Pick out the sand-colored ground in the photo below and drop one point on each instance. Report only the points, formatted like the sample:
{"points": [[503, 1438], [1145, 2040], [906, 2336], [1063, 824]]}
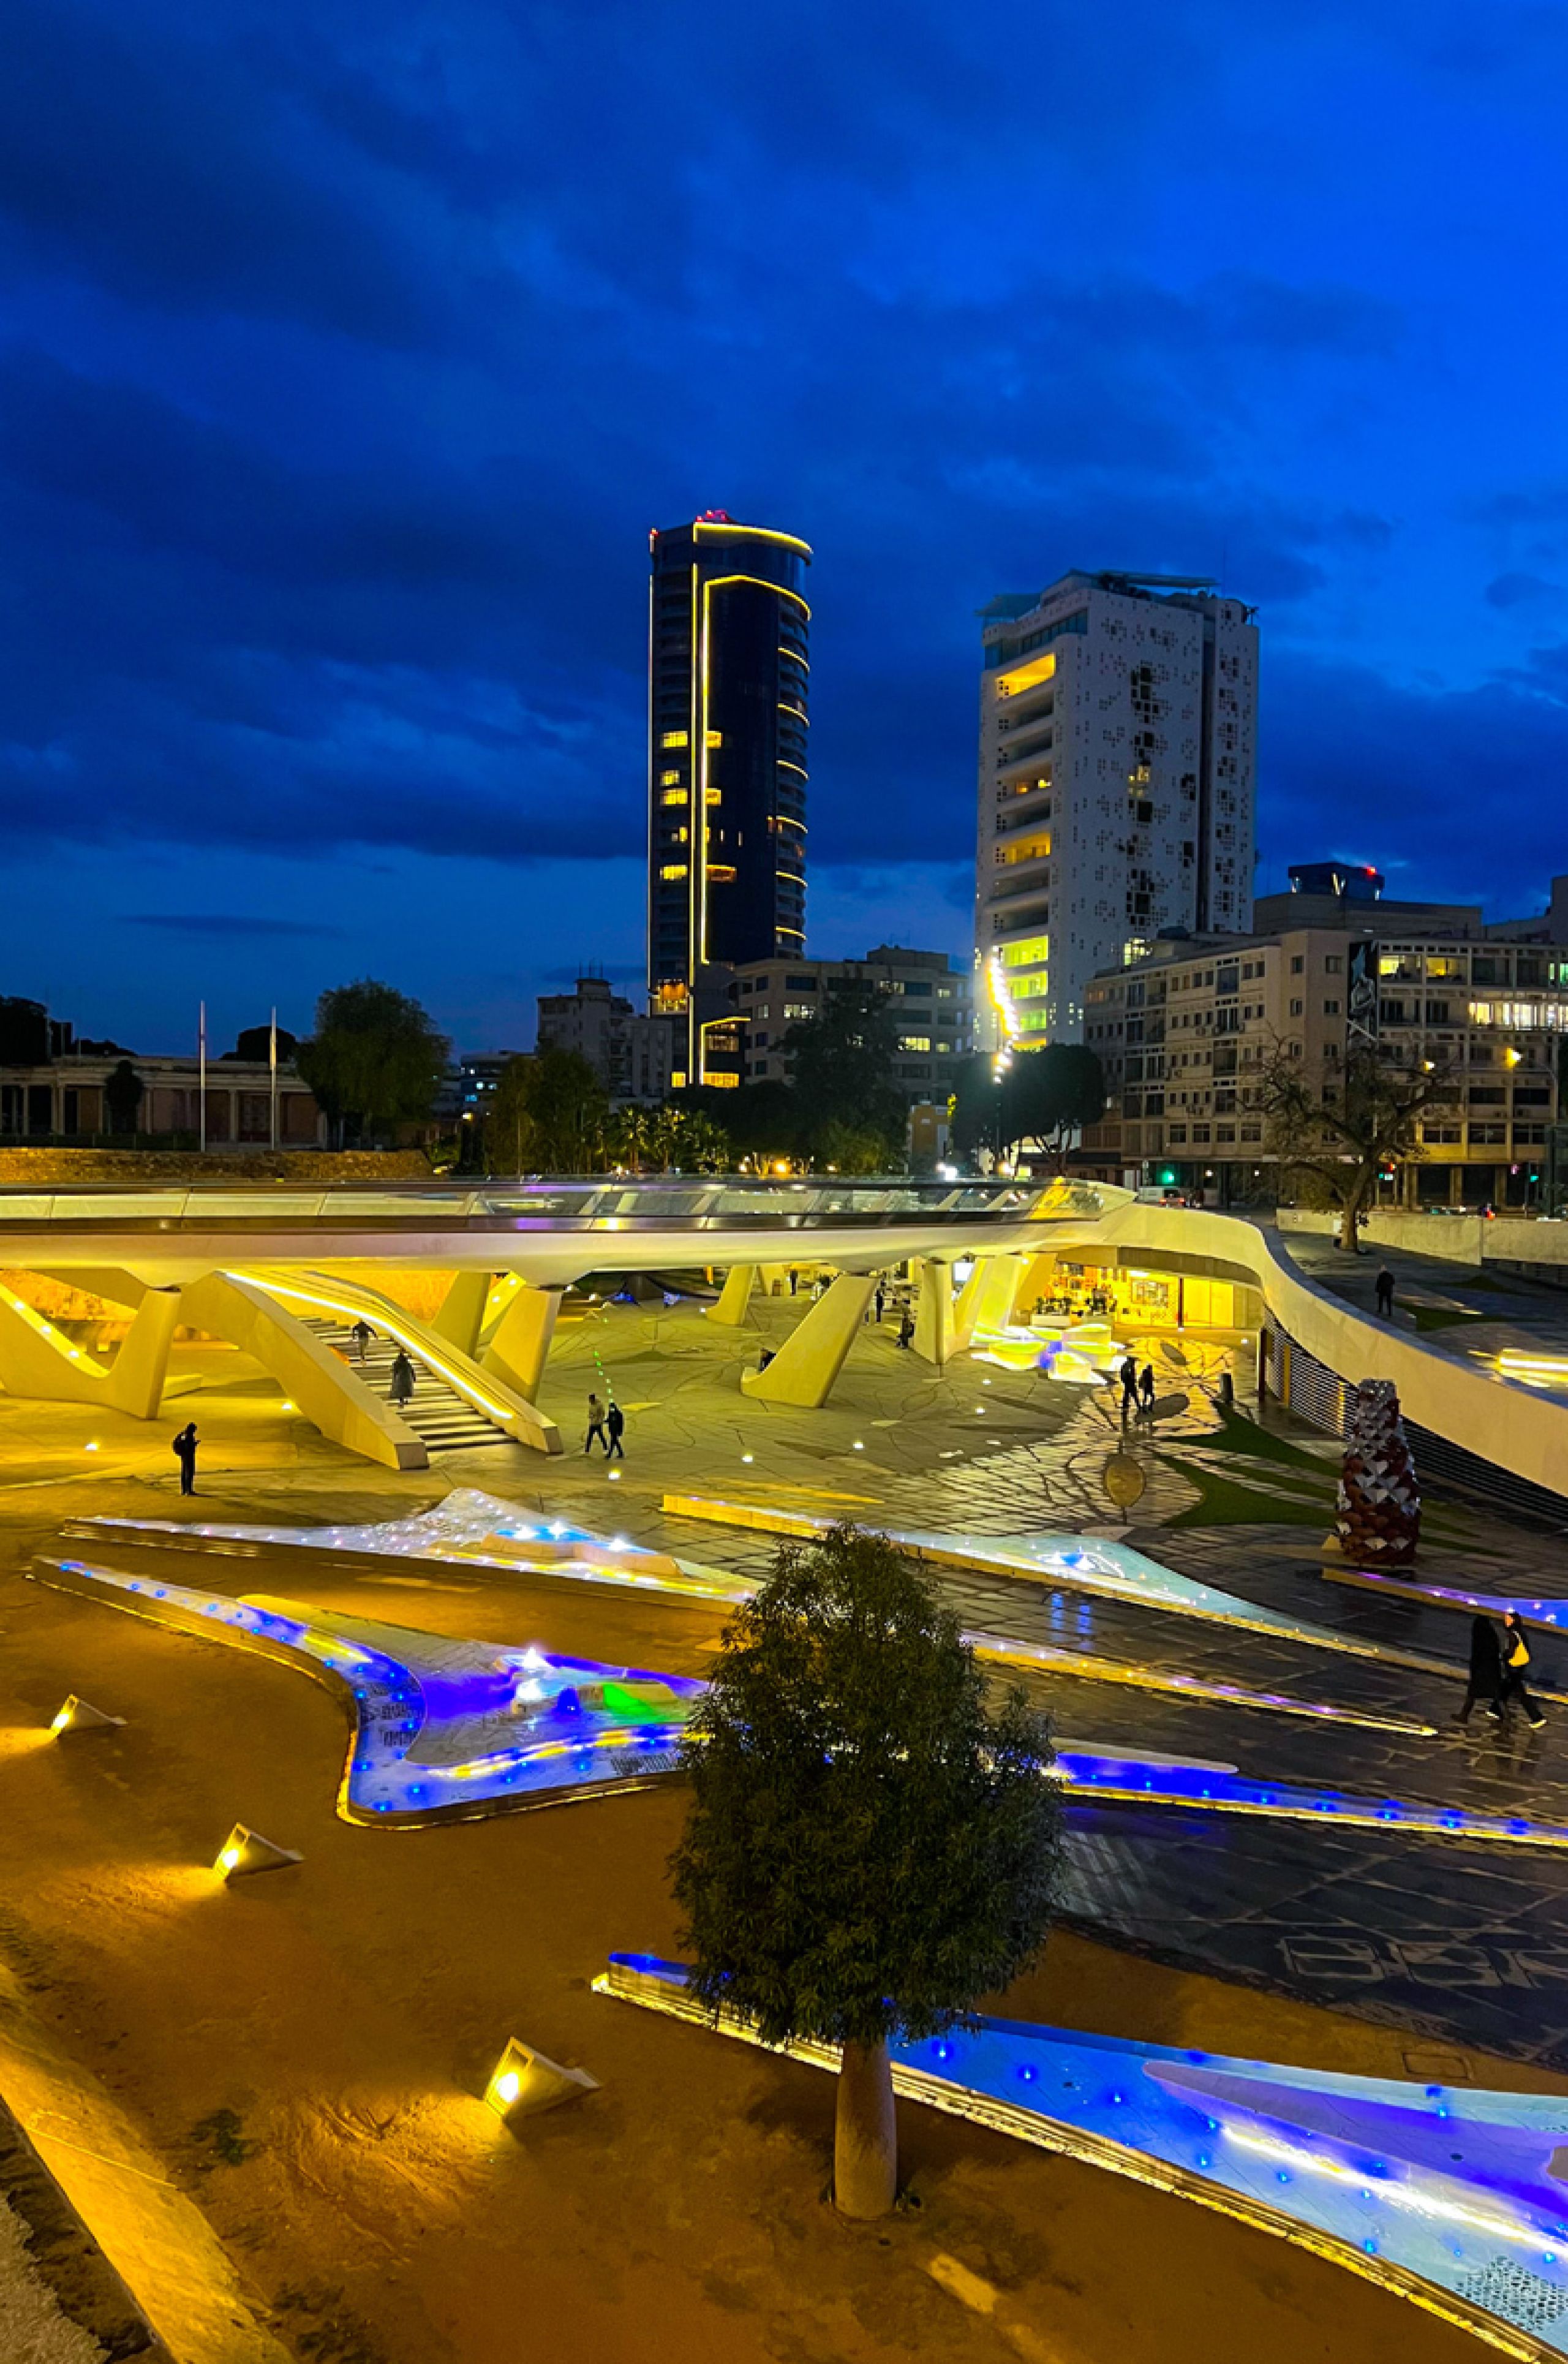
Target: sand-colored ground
{"points": [[304, 2051]]}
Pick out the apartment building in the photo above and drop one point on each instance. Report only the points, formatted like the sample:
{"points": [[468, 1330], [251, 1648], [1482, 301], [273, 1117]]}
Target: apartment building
{"points": [[1184, 1033], [934, 998], [1118, 762], [632, 1055]]}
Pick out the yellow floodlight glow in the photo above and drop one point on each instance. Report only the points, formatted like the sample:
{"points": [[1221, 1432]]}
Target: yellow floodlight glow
{"points": [[1001, 999], [419, 1346], [507, 2086], [229, 1860], [61, 1720]]}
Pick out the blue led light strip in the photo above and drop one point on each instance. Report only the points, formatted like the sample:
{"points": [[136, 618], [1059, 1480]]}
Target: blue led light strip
{"points": [[443, 1727], [1446, 2196]]}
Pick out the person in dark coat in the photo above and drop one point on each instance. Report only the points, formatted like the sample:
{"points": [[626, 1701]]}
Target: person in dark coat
{"points": [[1516, 1666], [879, 1300], [1129, 1387], [361, 1334], [1485, 1668], [185, 1454], [1146, 1387], [906, 1330], [615, 1420], [401, 1389], [1385, 1286]]}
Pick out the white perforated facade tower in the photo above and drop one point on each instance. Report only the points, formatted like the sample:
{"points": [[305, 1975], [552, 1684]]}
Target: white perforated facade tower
{"points": [[1118, 771]]}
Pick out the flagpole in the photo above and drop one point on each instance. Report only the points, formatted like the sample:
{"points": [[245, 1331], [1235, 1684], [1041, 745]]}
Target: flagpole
{"points": [[201, 1062], [273, 1062]]}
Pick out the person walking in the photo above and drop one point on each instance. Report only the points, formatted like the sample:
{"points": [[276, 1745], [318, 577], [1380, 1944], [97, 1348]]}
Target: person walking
{"points": [[1486, 1669], [793, 1280], [1385, 1287], [878, 1301], [400, 1389], [595, 1426], [615, 1420], [185, 1450], [1516, 1666], [1129, 1387], [361, 1334], [1146, 1388], [906, 1330]]}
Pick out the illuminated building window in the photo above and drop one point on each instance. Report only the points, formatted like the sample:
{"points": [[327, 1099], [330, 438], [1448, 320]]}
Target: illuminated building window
{"points": [[713, 795], [714, 738], [720, 873], [675, 739], [669, 779], [677, 1079], [673, 870], [799, 1009], [917, 1043], [1026, 953], [674, 797]]}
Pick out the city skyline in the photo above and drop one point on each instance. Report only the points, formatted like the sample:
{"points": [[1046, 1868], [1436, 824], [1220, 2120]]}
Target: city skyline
{"points": [[338, 401]]}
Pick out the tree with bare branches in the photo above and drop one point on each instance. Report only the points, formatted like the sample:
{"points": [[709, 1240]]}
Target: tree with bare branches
{"points": [[1371, 1121]]}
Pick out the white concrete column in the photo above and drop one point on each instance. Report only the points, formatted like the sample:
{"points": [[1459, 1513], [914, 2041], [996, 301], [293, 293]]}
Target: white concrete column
{"points": [[463, 1311], [804, 1369], [520, 1347], [734, 1297], [988, 1296], [136, 1382], [933, 1314]]}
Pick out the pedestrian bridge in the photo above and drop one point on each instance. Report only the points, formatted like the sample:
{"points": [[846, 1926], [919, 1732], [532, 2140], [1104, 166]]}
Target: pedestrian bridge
{"points": [[285, 1273]]}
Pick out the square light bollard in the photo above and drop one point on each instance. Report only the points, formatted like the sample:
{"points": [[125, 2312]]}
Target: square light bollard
{"points": [[524, 2083], [245, 1851], [81, 1715]]}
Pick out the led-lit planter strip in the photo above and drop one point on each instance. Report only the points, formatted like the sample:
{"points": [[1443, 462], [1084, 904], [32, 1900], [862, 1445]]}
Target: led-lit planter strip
{"points": [[1550, 1613], [1127, 1779], [1444, 2195], [1089, 1564], [443, 1727], [477, 1530]]}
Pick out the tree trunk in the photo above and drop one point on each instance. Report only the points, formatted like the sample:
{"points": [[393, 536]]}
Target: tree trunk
{"points": [[865, 2139]]}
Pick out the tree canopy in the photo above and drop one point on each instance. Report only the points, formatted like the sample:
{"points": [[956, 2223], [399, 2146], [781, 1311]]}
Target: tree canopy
{"points": [[375, 1061], [869, 1851], [843, 1063], [1343, 1131], [550, 1115], [1047, 1094]]}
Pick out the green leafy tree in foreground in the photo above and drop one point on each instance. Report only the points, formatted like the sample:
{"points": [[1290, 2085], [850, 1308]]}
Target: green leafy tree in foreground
{"points": [[868, 1852], [376, 1059]]}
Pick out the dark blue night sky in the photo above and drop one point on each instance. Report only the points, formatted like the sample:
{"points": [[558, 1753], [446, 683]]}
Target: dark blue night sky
{"points": [[349, 353]]}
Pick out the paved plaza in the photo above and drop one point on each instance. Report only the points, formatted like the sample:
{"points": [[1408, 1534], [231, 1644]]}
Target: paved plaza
{"points": [[378, 1981]]}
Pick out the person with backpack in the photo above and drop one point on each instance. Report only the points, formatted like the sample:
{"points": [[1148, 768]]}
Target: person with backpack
{"points": [[614, 1422], [185, 1449], [1516, 1666], [361, 1334]]}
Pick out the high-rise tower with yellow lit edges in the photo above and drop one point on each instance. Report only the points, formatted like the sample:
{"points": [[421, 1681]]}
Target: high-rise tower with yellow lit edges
{"points": [[1118, 763], [729, 672]]}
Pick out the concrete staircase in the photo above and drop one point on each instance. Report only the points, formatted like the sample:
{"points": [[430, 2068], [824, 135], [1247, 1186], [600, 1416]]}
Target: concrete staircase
{"points": [[443, 1421]]}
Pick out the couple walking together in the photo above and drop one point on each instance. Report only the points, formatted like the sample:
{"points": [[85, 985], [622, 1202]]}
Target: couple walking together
{"points": [[606, 1426]]}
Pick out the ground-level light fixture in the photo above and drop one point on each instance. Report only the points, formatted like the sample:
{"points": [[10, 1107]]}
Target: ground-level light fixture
{"points": [[524, 2083], [245, 1851], [81, 1715]]}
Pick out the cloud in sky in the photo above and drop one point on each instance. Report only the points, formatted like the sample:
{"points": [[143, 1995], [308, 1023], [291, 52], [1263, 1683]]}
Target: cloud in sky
{"points": [[348, 357]]}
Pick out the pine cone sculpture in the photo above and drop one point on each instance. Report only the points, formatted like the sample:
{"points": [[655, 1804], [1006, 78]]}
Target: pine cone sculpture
{"points": [[1380, 1500]]}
